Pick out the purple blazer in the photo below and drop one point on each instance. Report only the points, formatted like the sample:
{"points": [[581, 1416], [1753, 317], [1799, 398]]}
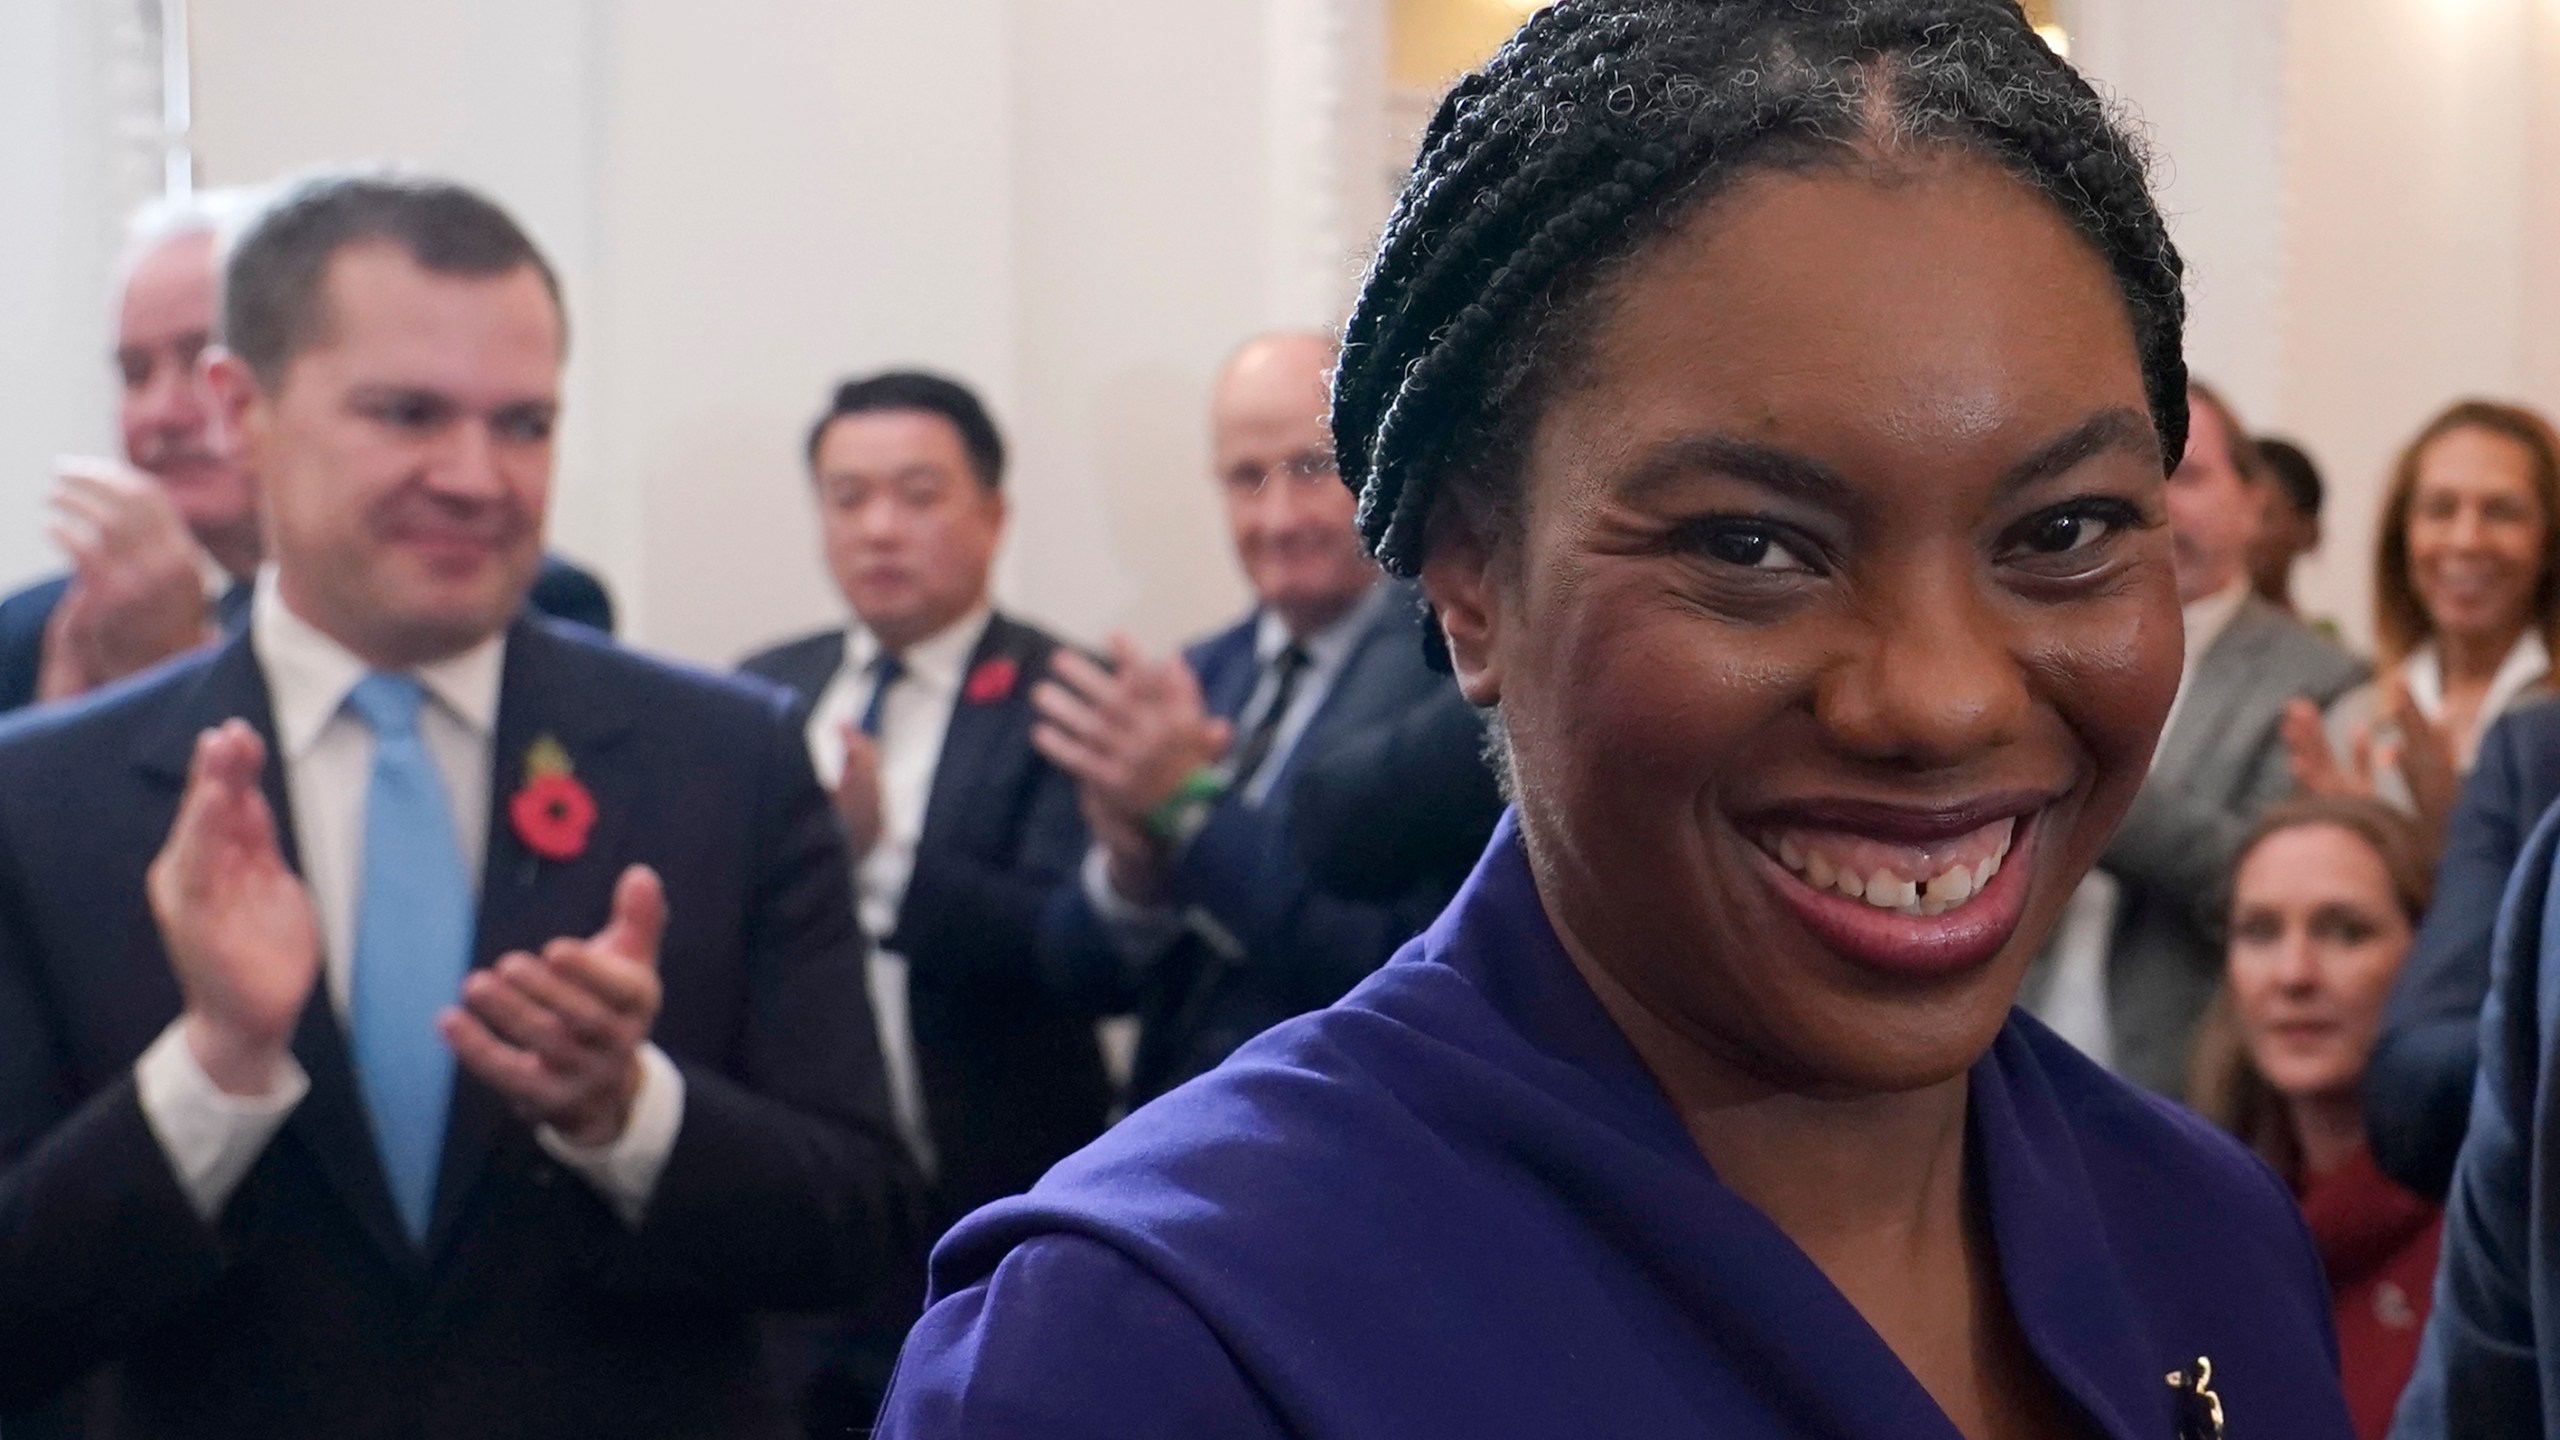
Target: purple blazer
{"points": [[1456, 1205]]}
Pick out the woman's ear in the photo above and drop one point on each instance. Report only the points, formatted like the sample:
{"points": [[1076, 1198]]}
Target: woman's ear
{"points": [[1465, 592]]}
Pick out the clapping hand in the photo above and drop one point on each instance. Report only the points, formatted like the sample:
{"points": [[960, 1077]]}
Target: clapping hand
{"points": [[137, 580], [559, 1033], [235, 919], [1130, 736], [2419, 749], [857, 791], [2316, 767]]}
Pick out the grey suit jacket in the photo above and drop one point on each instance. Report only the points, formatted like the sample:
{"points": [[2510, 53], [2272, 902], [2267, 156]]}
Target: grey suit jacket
{"points": [[2221, 763]]}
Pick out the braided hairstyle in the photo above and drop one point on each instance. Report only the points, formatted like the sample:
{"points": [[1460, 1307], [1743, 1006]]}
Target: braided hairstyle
{"points": [[1603, 124]]}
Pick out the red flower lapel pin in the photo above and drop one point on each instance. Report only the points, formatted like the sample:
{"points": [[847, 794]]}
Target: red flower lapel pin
{"points": [[552, 813], [992, 681]]}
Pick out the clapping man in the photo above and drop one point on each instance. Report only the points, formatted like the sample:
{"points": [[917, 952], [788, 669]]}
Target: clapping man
{"points": [[491, 1043], [1194, 912], [918, 714], [163, 545]]}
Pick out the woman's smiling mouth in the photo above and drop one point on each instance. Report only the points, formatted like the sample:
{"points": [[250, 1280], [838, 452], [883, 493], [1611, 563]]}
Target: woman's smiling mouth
{"points": [[1915, 895]]}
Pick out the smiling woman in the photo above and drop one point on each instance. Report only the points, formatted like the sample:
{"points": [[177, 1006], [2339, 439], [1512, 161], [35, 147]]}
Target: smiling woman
{"points": [[1772, 399]]}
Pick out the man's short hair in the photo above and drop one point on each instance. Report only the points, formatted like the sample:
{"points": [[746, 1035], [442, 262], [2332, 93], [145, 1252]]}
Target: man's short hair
{"points": [[932, 394], [2294, 470], [274, 300]]}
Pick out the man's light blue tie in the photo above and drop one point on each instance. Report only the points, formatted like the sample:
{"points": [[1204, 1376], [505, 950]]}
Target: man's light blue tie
{"points": [[414, 921]]}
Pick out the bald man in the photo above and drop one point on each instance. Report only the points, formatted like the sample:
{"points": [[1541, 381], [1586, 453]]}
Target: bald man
{"points": [[163, 544], [1194, 912]]}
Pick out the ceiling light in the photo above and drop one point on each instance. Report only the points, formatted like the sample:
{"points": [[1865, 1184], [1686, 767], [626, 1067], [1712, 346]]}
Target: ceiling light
{"points": [[2058, 38]]}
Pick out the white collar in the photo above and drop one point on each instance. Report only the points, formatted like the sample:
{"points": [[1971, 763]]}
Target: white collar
{"points": [[309, 674], [937, 660], [1326, 648], [2528, 660]]}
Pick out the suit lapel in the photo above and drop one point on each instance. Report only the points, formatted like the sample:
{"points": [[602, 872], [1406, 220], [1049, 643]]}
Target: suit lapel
{"points": [[2223, 683], [984, 742], [550, 689], [330, 1124]]}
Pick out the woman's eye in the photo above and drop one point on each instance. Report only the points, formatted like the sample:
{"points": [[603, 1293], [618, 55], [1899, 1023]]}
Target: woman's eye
{"points": [[2064, 532], [1750, 547], [2073, 533]]}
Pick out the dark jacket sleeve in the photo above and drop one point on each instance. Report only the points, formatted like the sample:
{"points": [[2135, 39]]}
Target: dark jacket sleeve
{"points": [[1243, 872], [2418, 1084], [98, 1243], [1406, 805], [787, 1187], [980, 923], [2478, 1376], [23, 618]]}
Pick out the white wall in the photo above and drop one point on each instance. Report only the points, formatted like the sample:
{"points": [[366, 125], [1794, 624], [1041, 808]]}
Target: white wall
{"points": [[2368, 192], [1069, 206], [59, 229], [1081, 207]]}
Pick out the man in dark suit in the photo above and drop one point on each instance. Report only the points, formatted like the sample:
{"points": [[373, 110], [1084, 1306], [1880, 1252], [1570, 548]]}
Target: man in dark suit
{"points": [[1193, 910], [163, 547], [918, 714], [2419, 1083], [481, 1064]]}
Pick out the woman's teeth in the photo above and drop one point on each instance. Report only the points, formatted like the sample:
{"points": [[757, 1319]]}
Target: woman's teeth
{"points": [[1943, 884]]}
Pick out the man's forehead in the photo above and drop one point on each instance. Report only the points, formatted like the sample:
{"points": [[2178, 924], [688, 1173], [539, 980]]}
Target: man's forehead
{"points": [[169, 292], [394, 321]]}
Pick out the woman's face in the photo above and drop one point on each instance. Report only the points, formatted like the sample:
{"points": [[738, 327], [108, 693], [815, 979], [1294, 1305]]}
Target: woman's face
{"points": [[2317, 937], [1842, 623], [2477, 534]]}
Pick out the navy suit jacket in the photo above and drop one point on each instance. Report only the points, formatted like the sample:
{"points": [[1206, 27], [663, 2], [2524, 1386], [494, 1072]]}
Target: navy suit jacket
{"points": [[2418, 1085], [1456, 1206], [1264, 941], [2489, 1367], [1013, 1080], [532, 1310], [561, 590]]}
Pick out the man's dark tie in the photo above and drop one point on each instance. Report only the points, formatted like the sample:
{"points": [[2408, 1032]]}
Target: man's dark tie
{"points": [[886, 670], [231, 610], [1290, 666]]}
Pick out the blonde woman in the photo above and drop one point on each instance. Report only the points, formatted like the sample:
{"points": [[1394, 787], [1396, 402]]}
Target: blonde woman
{"points": [[2325, 900]]}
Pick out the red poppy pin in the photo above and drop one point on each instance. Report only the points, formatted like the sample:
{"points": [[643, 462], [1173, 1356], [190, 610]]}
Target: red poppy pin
{"points": [[992, 681], [553, 812]]}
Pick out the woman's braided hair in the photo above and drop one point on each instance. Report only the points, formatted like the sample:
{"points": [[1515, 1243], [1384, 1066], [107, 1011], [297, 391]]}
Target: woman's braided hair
{"points": [[1602, 124]]}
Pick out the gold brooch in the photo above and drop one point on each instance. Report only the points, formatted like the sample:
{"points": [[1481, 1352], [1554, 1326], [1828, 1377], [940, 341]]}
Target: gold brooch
{"points": [[2199, 1409]]}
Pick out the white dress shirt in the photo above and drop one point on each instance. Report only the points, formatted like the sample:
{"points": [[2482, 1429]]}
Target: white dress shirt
{"points": [[2075, 1005], [2528, 663], [213, 1139], [1146, 931], [915, 717]]}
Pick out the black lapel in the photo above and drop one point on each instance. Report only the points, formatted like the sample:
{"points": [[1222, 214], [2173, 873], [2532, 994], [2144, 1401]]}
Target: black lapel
{"points": [[986, 741], [561, 690], [330, 1124], [806, 669]]}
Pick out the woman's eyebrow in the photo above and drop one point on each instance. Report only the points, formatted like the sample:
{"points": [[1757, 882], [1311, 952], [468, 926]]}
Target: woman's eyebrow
{"points": [[1690, 456], [2120, 428], [1816, 483]]}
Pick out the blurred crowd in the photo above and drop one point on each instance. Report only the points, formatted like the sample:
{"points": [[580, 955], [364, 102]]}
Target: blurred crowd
{"points": [[1057, 876]]}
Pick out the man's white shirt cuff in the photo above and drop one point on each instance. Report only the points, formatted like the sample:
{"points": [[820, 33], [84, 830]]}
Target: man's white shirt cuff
{"points": [[625, 1170], [1141, 931], [212, 1138]]}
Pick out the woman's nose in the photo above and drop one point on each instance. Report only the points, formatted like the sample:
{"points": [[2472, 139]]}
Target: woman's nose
{"points": [[1935, 681]]}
